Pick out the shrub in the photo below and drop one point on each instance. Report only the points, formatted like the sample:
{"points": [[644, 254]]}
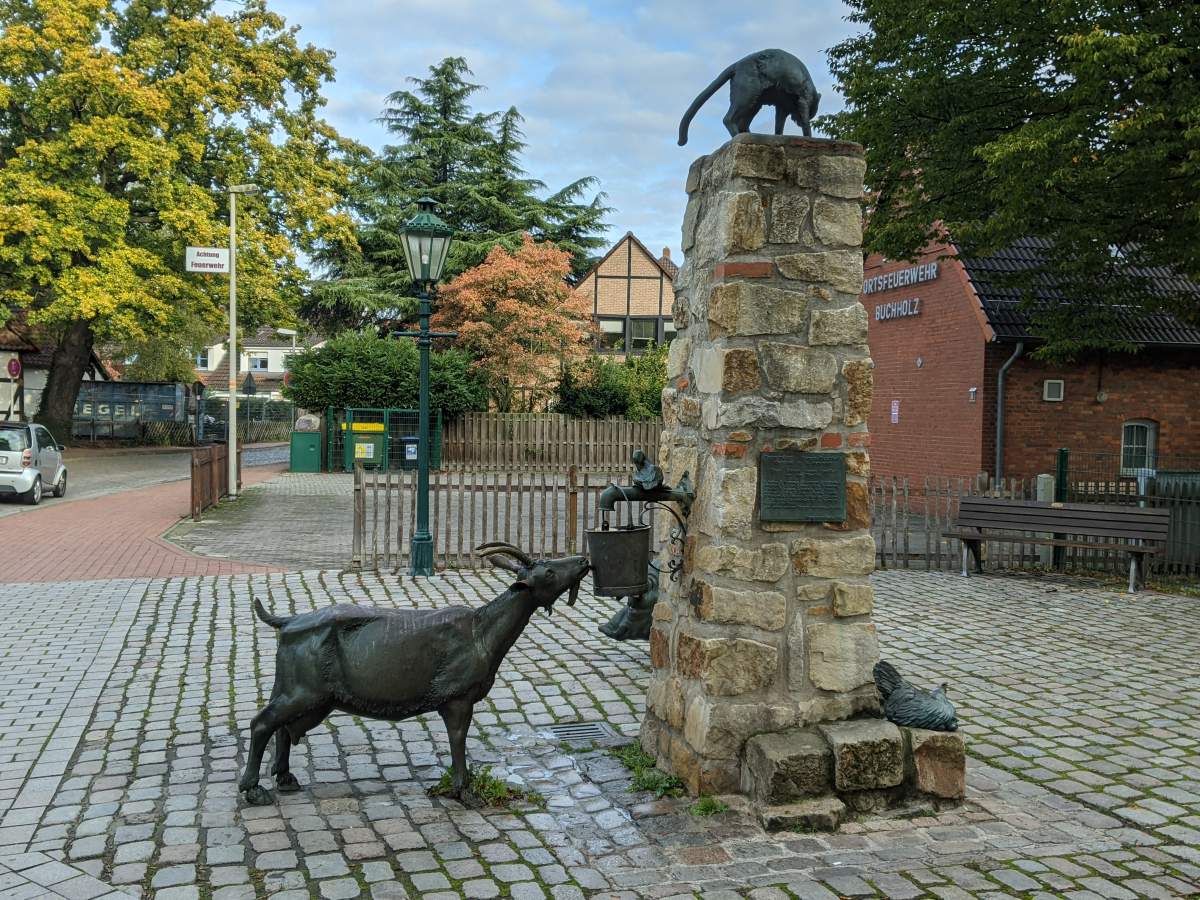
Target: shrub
{"points": [[597, 387], [364, 370]]}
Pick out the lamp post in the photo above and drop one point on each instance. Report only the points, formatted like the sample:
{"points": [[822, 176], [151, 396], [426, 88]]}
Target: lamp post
{"points": [[426, 241], [231, 428]]}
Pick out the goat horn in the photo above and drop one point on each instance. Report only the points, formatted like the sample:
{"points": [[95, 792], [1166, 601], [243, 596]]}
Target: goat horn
{"points": [[506, 563], [495, 546], [494, 552]]}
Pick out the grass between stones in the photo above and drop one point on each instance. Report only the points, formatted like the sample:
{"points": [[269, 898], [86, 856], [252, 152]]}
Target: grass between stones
{"points": [[646, 777], [708, 806], [490, 789]]}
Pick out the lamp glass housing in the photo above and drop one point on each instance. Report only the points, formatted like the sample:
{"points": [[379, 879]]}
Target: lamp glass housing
{"points": [[426, 242]]}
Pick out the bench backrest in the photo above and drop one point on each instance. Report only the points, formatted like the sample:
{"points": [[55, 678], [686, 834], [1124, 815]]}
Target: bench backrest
{"points": [[1090, 519]]}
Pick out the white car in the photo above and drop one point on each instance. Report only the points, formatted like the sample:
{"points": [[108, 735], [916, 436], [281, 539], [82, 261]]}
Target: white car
{"points": [[31, 463]]}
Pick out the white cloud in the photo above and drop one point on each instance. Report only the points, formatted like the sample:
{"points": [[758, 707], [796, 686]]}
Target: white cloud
{"points": [[601, 88]]}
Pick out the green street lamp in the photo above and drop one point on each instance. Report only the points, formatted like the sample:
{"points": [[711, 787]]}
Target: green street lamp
{"points": [[426, 242]]}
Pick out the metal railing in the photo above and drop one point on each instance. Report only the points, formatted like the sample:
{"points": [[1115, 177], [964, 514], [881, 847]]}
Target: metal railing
{"points": [[910, 515]]}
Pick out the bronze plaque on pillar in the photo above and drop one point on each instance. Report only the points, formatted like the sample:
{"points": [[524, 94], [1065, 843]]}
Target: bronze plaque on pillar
{"points": [[801, 487]]}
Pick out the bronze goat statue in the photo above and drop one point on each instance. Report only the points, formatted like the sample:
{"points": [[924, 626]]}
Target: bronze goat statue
{"points": [[397, 663]]}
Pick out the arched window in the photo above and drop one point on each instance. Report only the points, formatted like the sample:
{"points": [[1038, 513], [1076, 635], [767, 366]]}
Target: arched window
{"points": [[1139, 447]]}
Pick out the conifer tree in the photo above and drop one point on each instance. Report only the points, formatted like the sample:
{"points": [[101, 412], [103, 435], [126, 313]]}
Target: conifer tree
{"points": [[469, 163]]}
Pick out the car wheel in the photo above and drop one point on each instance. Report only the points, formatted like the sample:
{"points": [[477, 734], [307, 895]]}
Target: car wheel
{"points": [[33, 496], [60, 489]]}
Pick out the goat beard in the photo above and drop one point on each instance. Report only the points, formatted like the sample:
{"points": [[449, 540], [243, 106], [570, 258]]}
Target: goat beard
{"points": [[573, 595]]}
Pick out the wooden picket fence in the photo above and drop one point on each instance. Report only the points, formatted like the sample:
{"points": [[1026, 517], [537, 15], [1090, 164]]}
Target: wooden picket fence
{"points": [[909, 515], [544, 513], [545, 441], [210, 477]]}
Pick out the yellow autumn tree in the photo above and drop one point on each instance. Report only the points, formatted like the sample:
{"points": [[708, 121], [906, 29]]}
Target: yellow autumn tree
{"points": [[516, 314], [122, 123]]}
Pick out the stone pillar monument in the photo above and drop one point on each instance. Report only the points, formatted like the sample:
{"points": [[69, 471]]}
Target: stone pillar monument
{"points": [[764, 649]]}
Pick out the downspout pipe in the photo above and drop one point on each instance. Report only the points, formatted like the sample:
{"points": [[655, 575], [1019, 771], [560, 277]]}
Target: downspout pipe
{"points": [[1001, 375]]}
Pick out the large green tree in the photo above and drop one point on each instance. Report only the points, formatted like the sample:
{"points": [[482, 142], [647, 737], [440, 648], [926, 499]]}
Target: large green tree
{"points": [[1076, 121], [470, 163], [121, 124]]}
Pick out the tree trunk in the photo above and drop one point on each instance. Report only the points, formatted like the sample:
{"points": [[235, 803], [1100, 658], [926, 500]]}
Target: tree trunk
{"points": [[70, 361]]}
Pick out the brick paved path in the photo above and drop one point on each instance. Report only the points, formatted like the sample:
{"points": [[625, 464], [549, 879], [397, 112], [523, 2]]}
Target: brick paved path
{"points": [[1056, 689], [117, 536]]}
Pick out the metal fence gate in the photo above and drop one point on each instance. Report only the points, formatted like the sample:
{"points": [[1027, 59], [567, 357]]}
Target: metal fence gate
{"points": [[382, 439], [1170, 481]]}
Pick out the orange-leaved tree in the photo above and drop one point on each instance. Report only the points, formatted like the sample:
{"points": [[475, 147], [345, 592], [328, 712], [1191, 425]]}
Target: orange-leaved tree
{"points": [[516, 314]]}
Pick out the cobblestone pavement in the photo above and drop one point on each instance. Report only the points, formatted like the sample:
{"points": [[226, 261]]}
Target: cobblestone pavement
{"points": [[294, 521], [1057, 686]]}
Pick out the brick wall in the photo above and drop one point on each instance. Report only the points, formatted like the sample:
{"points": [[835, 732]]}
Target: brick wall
{"points": [[650, 293], [1154, 384], [939, 430]]}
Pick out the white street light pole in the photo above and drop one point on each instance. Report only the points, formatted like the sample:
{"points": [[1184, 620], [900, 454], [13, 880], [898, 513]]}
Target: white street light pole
{"points": [[231, 435]]}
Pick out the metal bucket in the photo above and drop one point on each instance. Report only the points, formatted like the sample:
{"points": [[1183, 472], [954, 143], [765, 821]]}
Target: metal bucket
{"points": [[620, 559]]}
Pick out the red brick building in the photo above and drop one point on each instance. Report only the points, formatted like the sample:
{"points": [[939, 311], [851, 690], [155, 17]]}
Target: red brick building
{"points": [[946, 338]]}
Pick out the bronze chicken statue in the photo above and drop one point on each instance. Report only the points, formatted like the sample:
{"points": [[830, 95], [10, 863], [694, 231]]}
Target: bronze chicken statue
{"points": [[905, 704]]}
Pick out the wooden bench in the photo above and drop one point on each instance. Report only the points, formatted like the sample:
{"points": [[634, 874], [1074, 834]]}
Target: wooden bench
{"points": [[983, 518]]}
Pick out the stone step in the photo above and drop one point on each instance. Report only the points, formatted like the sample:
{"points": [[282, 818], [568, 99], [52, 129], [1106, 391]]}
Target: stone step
{"points": [[787, 767], [814, 814]]}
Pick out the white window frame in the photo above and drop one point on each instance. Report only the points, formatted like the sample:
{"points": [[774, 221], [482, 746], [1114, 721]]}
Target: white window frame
{"points": [[638, 348], [1150, 448], [252, 358], [1046, 390], [605, 326], [202, 360]]}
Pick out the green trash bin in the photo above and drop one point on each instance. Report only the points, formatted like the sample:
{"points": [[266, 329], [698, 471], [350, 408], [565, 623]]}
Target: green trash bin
{"points": [[306, 451], [366, 444]]}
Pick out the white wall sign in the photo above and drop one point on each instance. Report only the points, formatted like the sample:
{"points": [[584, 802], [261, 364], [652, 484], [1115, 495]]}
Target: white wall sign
{"points": [[214, 260], [901, 278], [898, 309], [895, 411]]}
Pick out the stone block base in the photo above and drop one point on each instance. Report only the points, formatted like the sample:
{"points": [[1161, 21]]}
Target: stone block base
{"points": [[936, 762], [787, 767], [813, 779], [700, 774], [817, 814]]}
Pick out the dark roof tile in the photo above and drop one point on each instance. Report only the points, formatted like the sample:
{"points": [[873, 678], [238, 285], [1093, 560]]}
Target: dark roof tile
{"points": [[1009, 318]]}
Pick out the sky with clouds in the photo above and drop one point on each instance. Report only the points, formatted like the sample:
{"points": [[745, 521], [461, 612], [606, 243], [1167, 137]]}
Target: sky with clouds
{"points": [[601, 85]]}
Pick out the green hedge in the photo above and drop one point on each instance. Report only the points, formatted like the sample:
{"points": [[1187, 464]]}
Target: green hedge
{"points": [[364, 370]]}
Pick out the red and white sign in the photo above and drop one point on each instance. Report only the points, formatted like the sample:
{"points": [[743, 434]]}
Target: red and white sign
{"points": [[14, 368], [214, 260]]}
